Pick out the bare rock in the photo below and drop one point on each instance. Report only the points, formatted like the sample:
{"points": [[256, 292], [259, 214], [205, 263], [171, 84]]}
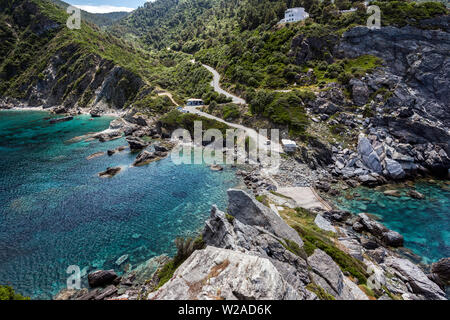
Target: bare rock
{"points": [[101, 278], [215, 273]]}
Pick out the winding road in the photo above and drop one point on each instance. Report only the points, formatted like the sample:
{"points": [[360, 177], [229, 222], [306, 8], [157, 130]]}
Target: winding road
{"points": [[215, 83], [253, 134]]}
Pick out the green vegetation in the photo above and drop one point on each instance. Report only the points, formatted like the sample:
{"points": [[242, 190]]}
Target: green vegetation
{"points": [[319, 291], [7, 293], [302, 221], [294, 248], [282, 108], [345, 262], [402, 13], [263, 199], [185, 247], [229, 217]]}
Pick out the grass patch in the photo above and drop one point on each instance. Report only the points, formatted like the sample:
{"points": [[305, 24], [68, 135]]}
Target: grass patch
{"points": [[185, 247], [229, 217], [319, 291]]}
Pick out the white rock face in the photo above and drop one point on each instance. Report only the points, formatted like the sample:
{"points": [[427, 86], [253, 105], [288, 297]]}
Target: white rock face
{"points": [[324, 224], [215, 273], [415, 277]]}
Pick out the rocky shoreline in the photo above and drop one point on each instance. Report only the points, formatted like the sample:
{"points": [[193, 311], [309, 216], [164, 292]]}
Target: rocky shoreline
{"points": [[252, 252]]}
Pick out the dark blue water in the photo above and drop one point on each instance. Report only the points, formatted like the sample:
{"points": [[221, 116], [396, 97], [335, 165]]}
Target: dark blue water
{"points": [[55, 211], [425, 224]]}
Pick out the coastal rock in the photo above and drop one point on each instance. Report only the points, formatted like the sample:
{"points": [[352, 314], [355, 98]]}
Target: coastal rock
{"points": [[136, 143], [250, 211], [329, 276], [394, 169], [417, 280], [110, 172], [415, 194], [392, 239], [101, 278], [108, 135], [225, 231], [441, 269], [368, 155], [360, 92], [216, 167], [388, 237], [215, 273], [144, 157]]}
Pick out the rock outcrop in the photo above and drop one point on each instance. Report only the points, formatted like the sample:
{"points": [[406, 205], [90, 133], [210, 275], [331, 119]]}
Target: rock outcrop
{"points": [[215, 273], [416, 278]]}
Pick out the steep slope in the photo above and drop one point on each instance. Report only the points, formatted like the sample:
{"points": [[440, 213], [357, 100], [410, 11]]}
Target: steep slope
{"points": [[76, 69]]}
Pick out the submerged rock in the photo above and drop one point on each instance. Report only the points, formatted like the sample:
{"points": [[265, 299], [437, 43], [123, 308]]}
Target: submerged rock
{"points": [[110, 172], [95, 155], [58, 120], [415, 194]]}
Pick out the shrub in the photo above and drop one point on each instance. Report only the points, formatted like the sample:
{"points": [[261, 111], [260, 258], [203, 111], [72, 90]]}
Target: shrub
{"points": [[8, 293]]}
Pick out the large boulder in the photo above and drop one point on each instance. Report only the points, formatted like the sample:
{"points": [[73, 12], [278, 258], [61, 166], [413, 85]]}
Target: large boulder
{"points": [[101, 278], [394, 169], [215, 273], [250, 211], [368, 155], [387, 236], [224, 231], [441, 269], [327, 274], [416, 278], [136, 143]]}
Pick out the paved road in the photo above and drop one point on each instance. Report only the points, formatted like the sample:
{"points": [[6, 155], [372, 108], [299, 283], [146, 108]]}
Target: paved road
{"points": [[216, 85], [262, 141]]}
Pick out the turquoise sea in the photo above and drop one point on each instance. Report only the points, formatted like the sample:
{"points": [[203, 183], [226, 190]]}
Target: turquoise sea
{"points": [[55, 211], [425, 224]]}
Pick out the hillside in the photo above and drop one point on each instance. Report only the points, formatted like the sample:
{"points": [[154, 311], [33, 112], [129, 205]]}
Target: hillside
{"points": [[85, 69]]}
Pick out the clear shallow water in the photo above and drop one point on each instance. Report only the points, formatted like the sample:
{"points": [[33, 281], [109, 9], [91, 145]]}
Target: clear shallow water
{"points": [[55, 211], [425, 224]]}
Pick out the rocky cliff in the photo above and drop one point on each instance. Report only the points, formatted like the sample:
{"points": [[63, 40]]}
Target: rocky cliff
{"points": [[46, 64]]}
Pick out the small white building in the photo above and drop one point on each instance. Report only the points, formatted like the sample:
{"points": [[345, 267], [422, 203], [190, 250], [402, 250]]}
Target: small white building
{"points": [[294, 15], [289, 145], [195, 102]]}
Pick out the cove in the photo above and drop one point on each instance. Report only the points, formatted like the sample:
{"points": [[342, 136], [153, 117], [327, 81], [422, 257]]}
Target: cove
{"points": [[55, 211], [424, 224]]}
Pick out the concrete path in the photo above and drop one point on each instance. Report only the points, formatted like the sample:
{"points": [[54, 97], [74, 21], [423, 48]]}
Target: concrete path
{"points": [[305, 197]]}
